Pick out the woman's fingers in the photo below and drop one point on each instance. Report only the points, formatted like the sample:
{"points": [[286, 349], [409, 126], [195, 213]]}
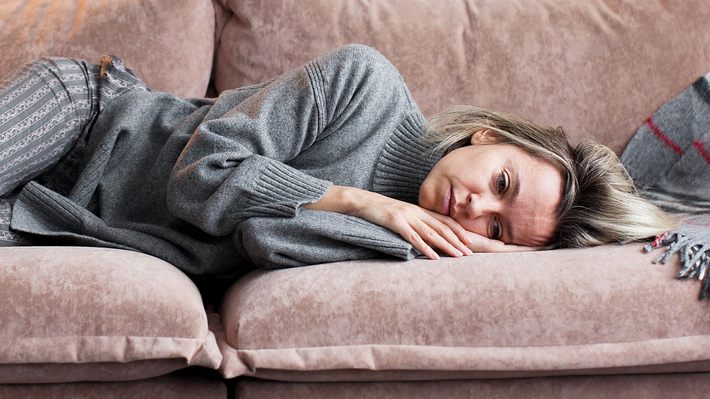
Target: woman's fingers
{"points": [[446, 235], [411, 235], [447, 231], [479, 243], [462, 234], [426, 233], [441, 232], [437, 236]]}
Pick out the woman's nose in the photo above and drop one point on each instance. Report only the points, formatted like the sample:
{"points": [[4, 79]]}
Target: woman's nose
{"points": [[480, 205]]}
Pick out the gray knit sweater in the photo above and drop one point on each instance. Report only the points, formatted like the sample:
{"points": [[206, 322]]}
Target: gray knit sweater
{"points": [[217, 186]]}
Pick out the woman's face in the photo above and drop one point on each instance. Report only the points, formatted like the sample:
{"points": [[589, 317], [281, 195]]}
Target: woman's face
{"points": [[496, 190]]}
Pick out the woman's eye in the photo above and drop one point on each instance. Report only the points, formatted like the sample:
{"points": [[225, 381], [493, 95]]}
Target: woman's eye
{"points": [[495, 230], [502, 182]]}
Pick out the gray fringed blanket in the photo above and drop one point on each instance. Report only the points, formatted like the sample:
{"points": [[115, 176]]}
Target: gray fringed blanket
{"points": [[669, 159]]}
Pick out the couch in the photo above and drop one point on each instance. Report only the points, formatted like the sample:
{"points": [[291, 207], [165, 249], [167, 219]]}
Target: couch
{"points": [[584, 323]]}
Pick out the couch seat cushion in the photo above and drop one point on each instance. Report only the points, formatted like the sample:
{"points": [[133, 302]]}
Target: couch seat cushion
{"points": [[95, 314], [185, 384], [686, 386], [577, 311]]}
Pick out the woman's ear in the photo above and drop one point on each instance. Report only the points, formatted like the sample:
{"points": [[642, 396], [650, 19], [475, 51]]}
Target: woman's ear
{"points": [[485, 136]]}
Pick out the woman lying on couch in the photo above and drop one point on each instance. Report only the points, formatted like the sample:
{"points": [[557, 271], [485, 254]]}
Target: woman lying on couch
{"points": [[217, 186]]}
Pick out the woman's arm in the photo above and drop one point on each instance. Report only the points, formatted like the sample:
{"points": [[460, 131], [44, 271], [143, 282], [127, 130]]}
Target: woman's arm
{"points": [[236, 164], [422, 228], [317, 237]]}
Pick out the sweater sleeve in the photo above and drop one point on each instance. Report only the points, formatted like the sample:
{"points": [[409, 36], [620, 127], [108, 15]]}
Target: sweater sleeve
{"points": [[236, 164], [316, 237]]}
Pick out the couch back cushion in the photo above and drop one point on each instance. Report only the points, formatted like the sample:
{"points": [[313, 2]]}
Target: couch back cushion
{"points": [[169, 46], [597, 67]]}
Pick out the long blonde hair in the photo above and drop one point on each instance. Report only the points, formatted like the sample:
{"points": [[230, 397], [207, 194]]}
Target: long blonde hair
{"points": [[599, 203]]}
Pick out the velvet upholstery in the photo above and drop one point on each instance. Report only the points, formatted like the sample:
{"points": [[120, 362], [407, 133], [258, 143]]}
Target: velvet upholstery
{"points": [[686, 386], [170, 47], [187, 384], [597, 68], [116, 314], [516, 314]]}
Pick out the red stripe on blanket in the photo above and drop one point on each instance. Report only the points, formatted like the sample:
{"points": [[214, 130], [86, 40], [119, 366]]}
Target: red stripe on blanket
{"points": [[703, 152], [663, 137]]}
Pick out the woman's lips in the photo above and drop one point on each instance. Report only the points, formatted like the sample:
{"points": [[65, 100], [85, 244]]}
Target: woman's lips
{"points": [[448, 201], [452, 203]]}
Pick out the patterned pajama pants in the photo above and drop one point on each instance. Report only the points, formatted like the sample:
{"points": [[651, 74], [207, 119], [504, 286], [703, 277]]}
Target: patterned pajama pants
{"points": [[47, 109]]}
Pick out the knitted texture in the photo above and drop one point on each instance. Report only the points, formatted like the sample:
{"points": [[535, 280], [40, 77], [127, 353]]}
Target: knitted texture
{"points": [[217, 186], [669, 159]]}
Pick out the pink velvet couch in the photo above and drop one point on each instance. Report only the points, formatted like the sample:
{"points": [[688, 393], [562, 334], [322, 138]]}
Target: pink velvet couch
{"points": [[584, 323]]}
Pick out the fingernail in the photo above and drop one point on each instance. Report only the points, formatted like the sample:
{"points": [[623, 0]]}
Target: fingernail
{"points": [[469, 252]]}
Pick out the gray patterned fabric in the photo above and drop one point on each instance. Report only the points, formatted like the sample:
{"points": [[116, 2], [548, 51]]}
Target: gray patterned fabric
{"points": [[669, 156], [669, 159], [9, 238], [46, 111]]}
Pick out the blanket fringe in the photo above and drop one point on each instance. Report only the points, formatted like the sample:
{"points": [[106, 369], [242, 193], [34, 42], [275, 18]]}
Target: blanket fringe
{"points": [[692, 243]]}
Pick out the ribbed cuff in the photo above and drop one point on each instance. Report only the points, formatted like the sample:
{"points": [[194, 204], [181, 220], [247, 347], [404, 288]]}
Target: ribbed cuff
{"points": [[367, 235], [39, 210], [280, 189]]}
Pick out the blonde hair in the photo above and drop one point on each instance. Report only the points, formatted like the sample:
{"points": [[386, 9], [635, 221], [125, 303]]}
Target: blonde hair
{"points": [[599, 203]]}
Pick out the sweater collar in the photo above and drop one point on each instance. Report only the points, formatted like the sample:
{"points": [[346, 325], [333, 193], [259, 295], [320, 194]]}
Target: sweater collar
{"points": [[405, 161]]}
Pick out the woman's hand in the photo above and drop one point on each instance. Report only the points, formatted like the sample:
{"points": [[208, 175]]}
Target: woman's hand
{"points": [[427, 231], [479, 243], [424, 229]]}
